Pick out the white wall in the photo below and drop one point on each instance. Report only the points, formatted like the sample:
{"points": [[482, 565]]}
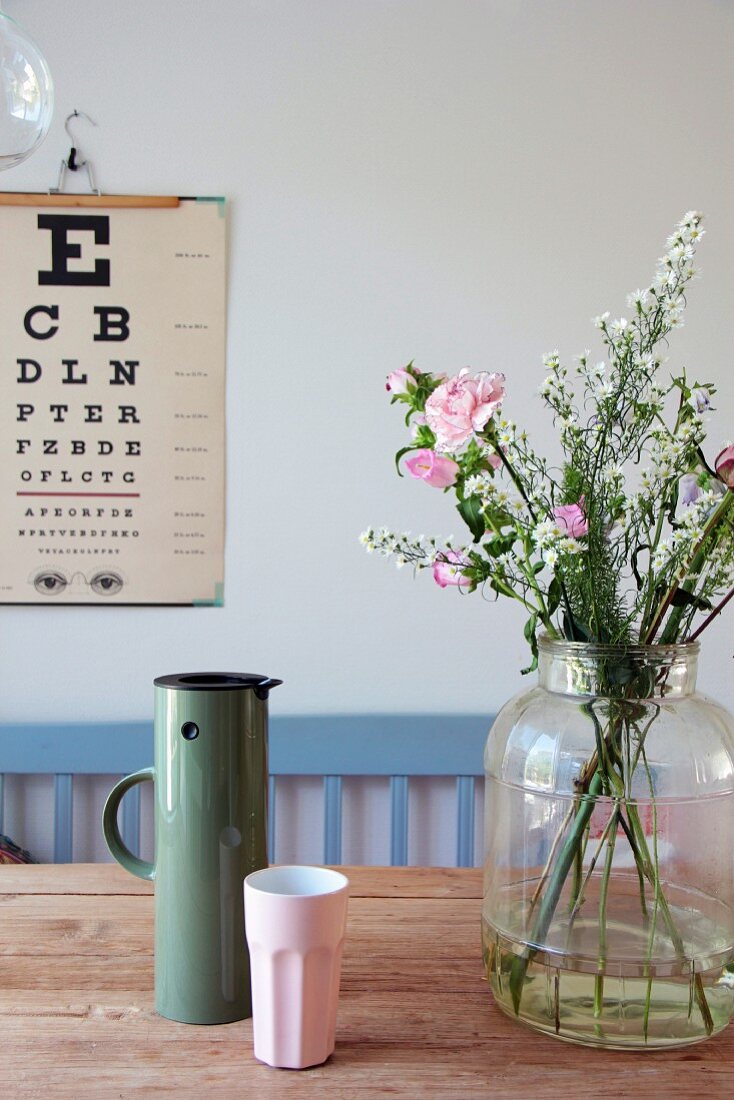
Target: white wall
{"points": [[463, 182]]}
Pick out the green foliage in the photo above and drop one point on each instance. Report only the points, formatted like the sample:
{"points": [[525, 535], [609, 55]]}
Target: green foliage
{"points": [[644, 539], [470, 511], [531, 637]]}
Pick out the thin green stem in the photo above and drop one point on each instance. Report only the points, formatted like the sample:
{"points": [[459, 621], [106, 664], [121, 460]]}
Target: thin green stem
{"points": [[549, 901], [578, 870], [611, 822], [518, 483], [603, 897], [696, 563], [653, 922], [667, 916], [636, 853]]}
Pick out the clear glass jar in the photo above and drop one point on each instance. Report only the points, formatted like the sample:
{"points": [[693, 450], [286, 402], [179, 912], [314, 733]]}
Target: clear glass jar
{"points": [[608, 912]]}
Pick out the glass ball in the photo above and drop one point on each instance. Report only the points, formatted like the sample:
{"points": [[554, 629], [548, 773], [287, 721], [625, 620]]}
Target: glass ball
{"points": [[26, 94]]}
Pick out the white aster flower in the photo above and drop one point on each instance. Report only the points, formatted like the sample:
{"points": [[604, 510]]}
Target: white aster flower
{"points": [[545, 532], [476, 485], [665, 279], [638, 298]]}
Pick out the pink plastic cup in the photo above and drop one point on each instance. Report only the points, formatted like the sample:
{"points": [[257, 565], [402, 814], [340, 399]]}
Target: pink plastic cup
{"points": [[295, 919]]}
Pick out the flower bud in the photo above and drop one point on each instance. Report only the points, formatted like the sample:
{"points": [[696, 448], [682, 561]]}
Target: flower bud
{"points": [[724, 465], [400, 381]]}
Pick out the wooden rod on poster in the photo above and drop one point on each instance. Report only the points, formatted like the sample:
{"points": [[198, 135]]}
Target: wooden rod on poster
{"points": [[41, 198]]}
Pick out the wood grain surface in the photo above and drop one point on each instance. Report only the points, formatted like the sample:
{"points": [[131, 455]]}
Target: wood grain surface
{"points": [[42, 198], [415, 1015]]}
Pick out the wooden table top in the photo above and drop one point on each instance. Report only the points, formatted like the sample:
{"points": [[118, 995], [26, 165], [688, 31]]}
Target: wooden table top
{"points": [[415, 1015]]}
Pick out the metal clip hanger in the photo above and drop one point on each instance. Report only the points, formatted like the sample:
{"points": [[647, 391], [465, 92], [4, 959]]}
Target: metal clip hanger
{"points": [[73, 162]]}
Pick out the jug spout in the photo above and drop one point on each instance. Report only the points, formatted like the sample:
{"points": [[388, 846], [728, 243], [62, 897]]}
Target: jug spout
{"points": [[262, 691]]}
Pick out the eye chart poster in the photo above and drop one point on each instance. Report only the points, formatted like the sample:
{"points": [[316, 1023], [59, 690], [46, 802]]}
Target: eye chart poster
{"points": [[112, 350]]}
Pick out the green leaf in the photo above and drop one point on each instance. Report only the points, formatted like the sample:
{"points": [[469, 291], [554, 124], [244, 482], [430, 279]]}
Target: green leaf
{"points": [[531, 637], [500, 544], [576, 631], [637, 551], [470, 511], [424, 437], [473, 460], [671, 504], [555, 593], [683, 598]]}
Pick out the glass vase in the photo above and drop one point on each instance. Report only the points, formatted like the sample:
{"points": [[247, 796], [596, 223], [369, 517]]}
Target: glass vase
{"points": [[608, 912]]}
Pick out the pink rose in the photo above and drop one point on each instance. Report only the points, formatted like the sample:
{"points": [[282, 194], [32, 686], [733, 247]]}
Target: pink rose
{"points": [[399, 381], [572, 519], [495, 461], [434, 469], [725, 466], [462, 406], [449, 571]]}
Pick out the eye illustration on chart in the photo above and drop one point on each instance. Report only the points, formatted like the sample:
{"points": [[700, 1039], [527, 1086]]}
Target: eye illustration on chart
{"points": [[57, 581], [106, 583], [50, 582]]}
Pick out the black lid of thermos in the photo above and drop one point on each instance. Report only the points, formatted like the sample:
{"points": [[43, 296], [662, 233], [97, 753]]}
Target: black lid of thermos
{"points": [[219, 681]]}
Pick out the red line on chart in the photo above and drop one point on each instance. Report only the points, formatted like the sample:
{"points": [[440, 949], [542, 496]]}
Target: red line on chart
{"points": [[77, 494]]}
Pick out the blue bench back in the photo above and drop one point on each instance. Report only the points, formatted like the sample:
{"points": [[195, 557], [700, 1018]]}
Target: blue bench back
{"points": [[330, 746]]}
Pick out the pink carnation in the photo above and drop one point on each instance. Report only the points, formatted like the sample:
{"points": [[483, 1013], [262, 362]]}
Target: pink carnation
{"points": [[449, 571], [434, 469], [571, 518], [725, 466], [462, 406]]}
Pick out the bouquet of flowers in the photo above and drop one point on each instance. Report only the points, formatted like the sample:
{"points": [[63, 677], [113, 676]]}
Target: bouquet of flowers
{"points": [[627, 542], [630, 539]]}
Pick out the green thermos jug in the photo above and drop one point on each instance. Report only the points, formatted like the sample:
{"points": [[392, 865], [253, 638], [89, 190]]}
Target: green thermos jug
{"points": [[210, 776]]}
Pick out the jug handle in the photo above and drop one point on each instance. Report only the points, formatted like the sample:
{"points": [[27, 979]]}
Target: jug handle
{"points": [[115, 843]]}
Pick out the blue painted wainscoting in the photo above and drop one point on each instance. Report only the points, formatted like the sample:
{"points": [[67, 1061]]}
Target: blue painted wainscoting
{"points": [[332, 747]]}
